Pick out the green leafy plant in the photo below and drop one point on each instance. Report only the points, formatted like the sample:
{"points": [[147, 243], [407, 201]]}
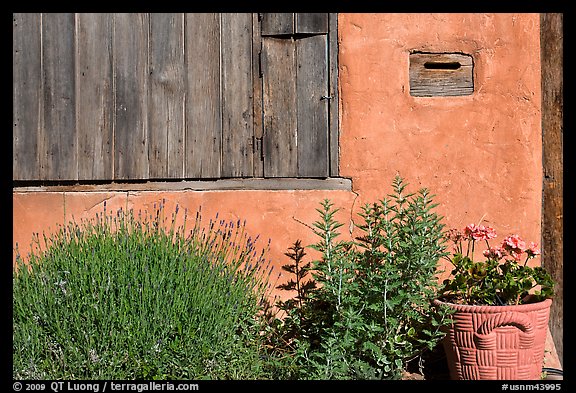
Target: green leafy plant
{"points": [[125, 297], [370, 310], [501, 278]]}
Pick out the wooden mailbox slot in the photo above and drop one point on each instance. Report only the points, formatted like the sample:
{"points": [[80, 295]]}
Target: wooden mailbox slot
{"points": [[441, 74]]}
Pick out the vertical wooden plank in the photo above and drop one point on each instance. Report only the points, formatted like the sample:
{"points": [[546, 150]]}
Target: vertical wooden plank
{"points": [[311, 23], [312, 109], [58, 159], [277, 23], [551, 41], [333, 104], [257, 84], [279, 105], [166, 127], [237, 95], [130, 46], [26, 95], [95, 99], [203, 106]]}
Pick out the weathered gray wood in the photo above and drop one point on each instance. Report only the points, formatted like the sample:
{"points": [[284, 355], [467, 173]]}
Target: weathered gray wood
{"points": [[167, 96], [130, 44], [312, 109], [237, 96], [279, 106], [121, 110], [311, 23], [26, 95], [57, 139], [94, 96], [277, 24], [334, 127], [441, 74], [202, 185], [551, 44], [203, 100], [257, 91]]}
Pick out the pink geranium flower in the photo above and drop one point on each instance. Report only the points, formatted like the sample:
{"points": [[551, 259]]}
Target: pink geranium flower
{"points": [[483, 233], [516, 255], [493, 253], [501, 269], [469, 230], [533, 250], [455, 235], [514, 243], [514, 246], [479, 232]]}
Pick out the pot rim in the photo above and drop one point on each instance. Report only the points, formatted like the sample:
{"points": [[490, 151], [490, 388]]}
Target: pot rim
{"points": [[546, 303]]}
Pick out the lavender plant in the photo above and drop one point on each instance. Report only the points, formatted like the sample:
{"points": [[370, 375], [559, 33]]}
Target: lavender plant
{"points": [[125, 297]]}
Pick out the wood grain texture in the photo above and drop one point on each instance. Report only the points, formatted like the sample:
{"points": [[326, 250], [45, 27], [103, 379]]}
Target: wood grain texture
{"points": [[441, 74], [277, 24], [551, 44], [280, 108], [167, 96], [312, 109], [26, 95], [333, 105], [203, 100], [237, 96], [94, 96], [258, 160], [130, 43], [311, 23], [160, 96], [57, 137]]}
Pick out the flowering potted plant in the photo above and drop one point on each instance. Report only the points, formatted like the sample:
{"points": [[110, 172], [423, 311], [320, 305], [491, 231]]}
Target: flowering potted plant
{"points": [[501, 307]]}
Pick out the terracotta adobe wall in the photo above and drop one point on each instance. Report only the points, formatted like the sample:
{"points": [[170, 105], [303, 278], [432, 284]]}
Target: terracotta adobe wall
{"points": [[479, 154]]}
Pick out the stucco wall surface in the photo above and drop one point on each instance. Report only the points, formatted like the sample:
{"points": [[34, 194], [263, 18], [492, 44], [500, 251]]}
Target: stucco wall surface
{"points": [[479, 154], [279, 216]]}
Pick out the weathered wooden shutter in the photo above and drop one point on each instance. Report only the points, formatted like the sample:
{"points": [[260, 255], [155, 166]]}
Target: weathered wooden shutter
{"points": [[131, 96], [26, 95], [237, 104], [219, 105], [141, 96], [167, 88], [296, 94]]}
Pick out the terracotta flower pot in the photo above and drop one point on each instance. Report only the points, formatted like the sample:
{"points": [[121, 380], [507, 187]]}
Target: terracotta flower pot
{"points": [[497, 342]]}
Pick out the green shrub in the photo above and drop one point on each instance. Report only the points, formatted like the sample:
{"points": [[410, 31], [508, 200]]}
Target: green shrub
{"points": [[125, 297], [368, 309]]}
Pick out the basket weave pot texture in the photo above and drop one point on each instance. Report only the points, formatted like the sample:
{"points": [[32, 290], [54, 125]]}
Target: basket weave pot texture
{"points": [[497, 342]]}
